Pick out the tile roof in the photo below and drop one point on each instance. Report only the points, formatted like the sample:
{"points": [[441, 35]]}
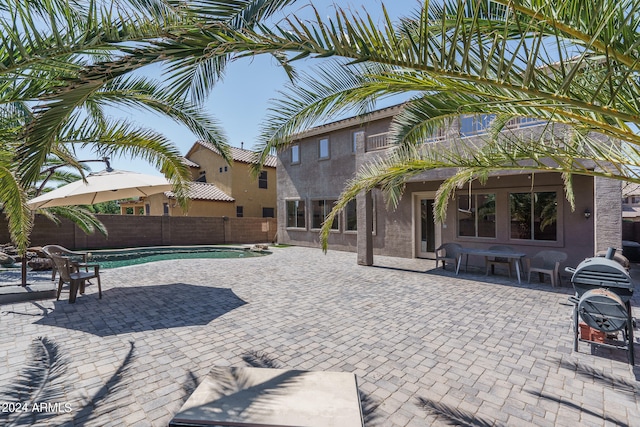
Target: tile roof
{"points": [[190, 163], [204, 191], [240, 154], [357, 120]]}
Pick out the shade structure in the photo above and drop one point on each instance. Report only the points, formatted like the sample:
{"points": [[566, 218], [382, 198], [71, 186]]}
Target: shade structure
{"points": [[102, 187]]}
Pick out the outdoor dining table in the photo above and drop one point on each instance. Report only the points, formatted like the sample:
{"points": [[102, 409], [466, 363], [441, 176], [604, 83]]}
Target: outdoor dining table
{"points": [[517, 256]]}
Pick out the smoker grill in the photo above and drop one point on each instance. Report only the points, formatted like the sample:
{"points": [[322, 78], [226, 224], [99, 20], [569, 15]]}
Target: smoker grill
{"points": [[603, 299]]}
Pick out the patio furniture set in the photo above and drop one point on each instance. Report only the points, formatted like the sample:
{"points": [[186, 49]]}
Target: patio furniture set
{"points": [[603, 285], [546, 262]]}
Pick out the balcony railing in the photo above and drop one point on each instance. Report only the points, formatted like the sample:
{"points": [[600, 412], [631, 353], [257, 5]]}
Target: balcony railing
{"points": [[378, 141], [381, 141]]}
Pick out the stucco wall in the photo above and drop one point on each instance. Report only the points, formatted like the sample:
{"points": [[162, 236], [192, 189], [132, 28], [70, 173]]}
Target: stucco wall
{"points": [[394, 231], [313, 178], [575, 233], [249, 195], [236, 181], [197, 208], [211, 163]]}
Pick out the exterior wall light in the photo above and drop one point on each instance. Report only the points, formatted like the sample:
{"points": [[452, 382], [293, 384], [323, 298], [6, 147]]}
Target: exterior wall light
{"points": [[587, 213]]}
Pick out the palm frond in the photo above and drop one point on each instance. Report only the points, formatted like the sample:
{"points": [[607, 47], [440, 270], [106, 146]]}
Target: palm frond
{"points": [[13, 198], [82, 217], [38, 382], [140, 93], [329, 93]]}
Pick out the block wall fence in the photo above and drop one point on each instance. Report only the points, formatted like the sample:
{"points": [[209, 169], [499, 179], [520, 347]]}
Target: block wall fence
{"points": [[132, 231]]}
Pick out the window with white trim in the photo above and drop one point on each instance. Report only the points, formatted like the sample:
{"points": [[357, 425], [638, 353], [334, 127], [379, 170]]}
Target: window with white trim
{"points": [[319, 211], [477, 215], [295, 154], [296, 214], [475, 124], [323, 149], [534, 215], [351, 216]]}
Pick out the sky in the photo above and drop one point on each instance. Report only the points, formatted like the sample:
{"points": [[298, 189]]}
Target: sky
{"points": [[240, 101]]}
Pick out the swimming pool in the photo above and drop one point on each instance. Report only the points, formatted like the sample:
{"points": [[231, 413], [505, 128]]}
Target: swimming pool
{"points": [[112, 258]]}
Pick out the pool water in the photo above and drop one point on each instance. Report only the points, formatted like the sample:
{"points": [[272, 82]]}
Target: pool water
{"points": [[134, 256]]}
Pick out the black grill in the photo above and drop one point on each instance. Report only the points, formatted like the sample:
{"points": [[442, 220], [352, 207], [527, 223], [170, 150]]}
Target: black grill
{"points": [[603, 292]]}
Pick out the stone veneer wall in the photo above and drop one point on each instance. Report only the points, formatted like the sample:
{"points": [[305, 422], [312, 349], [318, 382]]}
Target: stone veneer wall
{"points": [[607, 215], [131, 231]]}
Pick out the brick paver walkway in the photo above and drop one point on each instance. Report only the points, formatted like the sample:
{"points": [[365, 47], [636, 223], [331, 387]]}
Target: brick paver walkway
{"points": [[428, 348]]}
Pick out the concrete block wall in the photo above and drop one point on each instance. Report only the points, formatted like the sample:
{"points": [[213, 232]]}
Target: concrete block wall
{"points": [[132, 231]]}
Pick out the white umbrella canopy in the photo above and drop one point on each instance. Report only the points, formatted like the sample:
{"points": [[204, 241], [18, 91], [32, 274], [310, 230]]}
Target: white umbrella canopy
{"points": [[102, 187]]}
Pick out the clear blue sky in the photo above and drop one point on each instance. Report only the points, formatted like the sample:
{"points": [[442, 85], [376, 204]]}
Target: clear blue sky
{"points": [[239, 102]]}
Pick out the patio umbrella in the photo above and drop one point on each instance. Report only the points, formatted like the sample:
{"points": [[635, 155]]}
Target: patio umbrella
{"points": [[102, 187], [99, 187]]}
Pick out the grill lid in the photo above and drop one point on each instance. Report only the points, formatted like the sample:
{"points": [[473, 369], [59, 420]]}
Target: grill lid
{"points": [[603, 273]]}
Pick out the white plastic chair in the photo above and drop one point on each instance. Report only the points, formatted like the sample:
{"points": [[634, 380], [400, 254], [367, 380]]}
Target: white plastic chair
{"points": [[546, 262], [448, 253]]}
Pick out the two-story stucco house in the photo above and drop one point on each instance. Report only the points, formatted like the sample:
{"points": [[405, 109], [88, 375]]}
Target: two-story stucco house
{"points": [[524, 210], [220, 189]]}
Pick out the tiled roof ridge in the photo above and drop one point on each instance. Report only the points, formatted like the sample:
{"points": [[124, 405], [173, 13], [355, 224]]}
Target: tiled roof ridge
{"points": [[204, 191], [240, 154], [190, 162]]}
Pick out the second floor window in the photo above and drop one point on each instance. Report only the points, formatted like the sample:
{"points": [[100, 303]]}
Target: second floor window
{"points": [[473, 125], [268, 213], [239, 211], [262, 180], [295, 154], [323, 148]]}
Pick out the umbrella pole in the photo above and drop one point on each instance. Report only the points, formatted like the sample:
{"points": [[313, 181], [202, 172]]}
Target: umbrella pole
{"points": [[24, 270]]}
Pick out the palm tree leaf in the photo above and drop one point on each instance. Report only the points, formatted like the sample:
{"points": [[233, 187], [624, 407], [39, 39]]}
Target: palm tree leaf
{"points": [[80, 216], [13, 197], [38, 382]]}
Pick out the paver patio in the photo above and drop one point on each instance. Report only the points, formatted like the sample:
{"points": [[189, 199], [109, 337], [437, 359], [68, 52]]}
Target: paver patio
{"points": [[429, 348]]}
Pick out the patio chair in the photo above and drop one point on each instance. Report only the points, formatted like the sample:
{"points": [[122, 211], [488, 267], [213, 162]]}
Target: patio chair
{"points": [[62, 251], [70, 273], [491, 262], [448, 253], [546, 262]]}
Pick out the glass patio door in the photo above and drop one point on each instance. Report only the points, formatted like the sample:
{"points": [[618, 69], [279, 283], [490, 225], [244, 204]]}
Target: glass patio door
{"points": [[427, 235]]}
